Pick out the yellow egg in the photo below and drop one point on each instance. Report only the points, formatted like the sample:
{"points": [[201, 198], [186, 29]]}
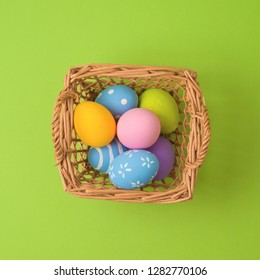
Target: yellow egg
{"points": [[94, 124]]}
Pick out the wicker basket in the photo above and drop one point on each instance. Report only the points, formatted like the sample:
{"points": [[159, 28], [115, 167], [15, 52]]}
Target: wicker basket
{"points": [[190, 140]]}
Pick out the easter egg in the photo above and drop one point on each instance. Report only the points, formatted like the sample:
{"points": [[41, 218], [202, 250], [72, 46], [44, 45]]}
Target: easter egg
{"points": [[118, 99], [165, 154], [94, 124], [163, 105], [100, 158], [133, 169], [138, 128]]}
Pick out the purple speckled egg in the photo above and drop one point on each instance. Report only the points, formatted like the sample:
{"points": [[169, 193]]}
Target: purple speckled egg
{"points": [[165, 154]]}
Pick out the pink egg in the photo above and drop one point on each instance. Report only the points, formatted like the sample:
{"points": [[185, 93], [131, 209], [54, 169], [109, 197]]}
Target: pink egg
{"points": [[138, 128]]}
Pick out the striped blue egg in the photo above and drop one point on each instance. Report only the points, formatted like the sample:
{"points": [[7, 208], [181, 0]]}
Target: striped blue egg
{"points": [[100, 158], [118, 99], [133, 169]]}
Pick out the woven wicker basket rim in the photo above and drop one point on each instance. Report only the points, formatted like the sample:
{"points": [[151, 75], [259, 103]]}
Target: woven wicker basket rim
{"points": [[62, 125]]}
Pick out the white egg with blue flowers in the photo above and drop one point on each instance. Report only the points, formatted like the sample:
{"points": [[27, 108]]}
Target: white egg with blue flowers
{"points": [[118, 99], [133, 169]]}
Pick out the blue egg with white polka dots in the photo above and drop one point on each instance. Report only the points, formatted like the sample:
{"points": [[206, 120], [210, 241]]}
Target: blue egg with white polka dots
{"points": [[100, 158], [118, 99], [133, 169]]}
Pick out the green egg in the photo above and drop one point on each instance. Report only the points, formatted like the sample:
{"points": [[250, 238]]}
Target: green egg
{"points": [[163, 105]]}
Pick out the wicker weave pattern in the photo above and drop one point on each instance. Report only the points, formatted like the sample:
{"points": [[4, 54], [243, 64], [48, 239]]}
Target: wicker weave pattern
{"points": [[190, 140]]}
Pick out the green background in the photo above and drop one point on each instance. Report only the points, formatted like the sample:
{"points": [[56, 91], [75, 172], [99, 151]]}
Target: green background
{"points": [[40, 40]]}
